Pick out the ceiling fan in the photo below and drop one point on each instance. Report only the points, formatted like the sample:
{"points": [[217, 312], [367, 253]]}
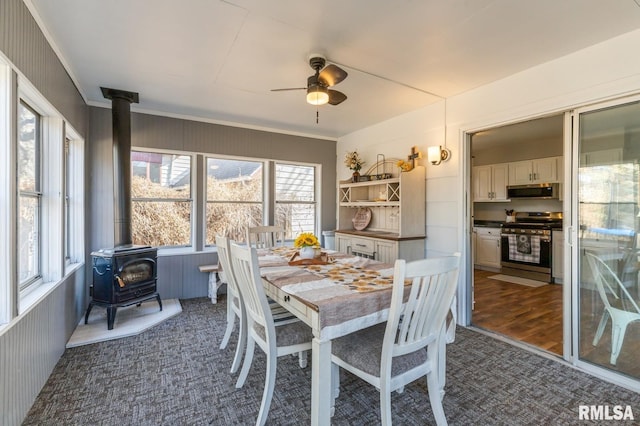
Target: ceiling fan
{"points": [[318, 92]]}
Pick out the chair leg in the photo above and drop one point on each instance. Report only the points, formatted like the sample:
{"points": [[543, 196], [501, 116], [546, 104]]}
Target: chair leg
{"points": [[385, 403], [269, 384], [246, 365], [433, 385], [600, 330], [618, 329], [231, 318], [442, 360], [335, 386], [242, 343], [302, 359]]}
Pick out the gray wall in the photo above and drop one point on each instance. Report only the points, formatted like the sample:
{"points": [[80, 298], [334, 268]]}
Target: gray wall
{"points": [[178, 275], [32, 344]]}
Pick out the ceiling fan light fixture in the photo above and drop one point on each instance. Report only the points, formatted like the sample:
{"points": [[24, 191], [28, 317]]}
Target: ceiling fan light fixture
{"points": [[317, 95]]}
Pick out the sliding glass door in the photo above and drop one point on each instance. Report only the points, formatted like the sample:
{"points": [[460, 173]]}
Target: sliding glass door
{"points": [[606, 259]]}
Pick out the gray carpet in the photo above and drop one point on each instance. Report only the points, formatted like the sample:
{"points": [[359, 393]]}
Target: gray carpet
{"points": [[174, 374]]}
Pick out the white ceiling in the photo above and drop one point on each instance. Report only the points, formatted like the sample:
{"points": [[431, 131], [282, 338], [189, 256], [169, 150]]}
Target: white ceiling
{"points": [[217, 60]]}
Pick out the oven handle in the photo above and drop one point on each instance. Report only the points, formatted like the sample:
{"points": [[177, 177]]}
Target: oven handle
{"points": [[543, 238]]}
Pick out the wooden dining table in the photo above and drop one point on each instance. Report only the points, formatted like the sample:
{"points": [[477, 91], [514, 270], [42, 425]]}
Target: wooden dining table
{"points": [[335, 296]]}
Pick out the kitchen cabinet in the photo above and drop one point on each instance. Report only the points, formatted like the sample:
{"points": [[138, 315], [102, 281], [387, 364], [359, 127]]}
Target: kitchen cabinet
{"points": [[539, 170], [381, 249], [490, 182], [487, 248], [397, 225], [557, 255]]}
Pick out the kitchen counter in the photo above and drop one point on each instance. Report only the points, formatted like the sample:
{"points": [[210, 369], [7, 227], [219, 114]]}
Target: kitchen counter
{"points": [[487, 223], [377, 234]]}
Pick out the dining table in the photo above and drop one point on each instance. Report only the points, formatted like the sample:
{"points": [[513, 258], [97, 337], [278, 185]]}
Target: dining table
{"points": [[335, 294]]}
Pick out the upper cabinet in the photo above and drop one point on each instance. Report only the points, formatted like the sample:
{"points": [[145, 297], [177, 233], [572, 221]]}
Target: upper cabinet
{"points": [[540, 170], [397, 205], [490, 182]]}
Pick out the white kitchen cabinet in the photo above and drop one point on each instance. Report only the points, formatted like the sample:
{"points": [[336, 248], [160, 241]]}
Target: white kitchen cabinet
{"points": [[490, 182], [557, 255], [343, 243], [384, 250], [487, 248], [539, 170]]}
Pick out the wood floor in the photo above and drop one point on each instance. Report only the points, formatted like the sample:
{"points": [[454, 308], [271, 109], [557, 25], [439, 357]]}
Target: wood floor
{"points": [[534, 316], [529, 314]]}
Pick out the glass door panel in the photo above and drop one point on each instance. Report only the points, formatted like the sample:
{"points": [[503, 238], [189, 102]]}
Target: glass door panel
{"points": [[608, 259]]}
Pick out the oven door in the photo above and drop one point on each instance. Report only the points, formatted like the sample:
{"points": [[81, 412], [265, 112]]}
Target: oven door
{"points": [[526, 255]]}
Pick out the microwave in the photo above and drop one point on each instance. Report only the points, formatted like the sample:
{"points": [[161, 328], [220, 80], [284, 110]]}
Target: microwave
{"points": [[548, 191]]}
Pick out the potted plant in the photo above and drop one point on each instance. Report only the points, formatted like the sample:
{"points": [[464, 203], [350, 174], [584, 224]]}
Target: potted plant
{"points": [[353, 161], [308, 244]]}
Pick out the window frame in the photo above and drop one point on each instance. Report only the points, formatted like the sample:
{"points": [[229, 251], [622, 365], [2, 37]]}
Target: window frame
{"points": [[316, 194], [190, 199], [264, 185], [35, 194]]}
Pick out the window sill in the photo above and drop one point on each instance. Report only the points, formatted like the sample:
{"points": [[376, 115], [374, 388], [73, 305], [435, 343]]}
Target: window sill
{"points": [[183, 251]]}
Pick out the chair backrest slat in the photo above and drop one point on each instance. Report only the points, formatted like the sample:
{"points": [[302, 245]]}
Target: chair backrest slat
{"points": [[419, 322], [609, 285], [244, 261], [265, 236], [224, 260]]}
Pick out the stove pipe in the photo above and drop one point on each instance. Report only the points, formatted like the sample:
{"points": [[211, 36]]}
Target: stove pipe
{"points": [[121, 116]]}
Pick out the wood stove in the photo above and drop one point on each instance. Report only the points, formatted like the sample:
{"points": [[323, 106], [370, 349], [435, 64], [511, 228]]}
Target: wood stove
{"points": [[126, 274], [123, 276]]}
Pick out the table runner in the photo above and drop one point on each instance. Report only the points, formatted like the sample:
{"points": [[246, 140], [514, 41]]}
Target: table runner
{"points": [[347, 288]]}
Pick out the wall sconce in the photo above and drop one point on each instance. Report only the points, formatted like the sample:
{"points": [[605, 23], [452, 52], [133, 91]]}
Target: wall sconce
{"points": [[437, 154]]}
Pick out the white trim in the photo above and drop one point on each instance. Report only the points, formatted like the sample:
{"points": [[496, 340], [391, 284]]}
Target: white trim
{"points": [[77, 196], [52, 220], [7, 204]]}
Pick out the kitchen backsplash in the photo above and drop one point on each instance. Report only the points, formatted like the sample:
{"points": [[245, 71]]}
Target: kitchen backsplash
{"points": [[496, 211]]}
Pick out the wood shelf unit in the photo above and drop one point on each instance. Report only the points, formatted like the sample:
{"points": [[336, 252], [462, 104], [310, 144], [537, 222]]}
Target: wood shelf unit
{"points": [[397, 227]]}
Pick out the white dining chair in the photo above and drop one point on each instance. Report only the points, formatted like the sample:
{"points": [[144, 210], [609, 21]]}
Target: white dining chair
{"points": [[392, 354], [275, 338], [265, 236], [618, 304], [235, 306]]}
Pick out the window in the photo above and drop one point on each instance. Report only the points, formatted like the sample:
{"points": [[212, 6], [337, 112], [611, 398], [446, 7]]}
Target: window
{"points": [[29, 196], [161, 195], [234, 197], [295, 199], [67, 200], [73, 197]]}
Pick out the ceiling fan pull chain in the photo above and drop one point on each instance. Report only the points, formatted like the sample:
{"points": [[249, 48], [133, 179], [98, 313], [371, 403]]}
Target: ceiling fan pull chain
{"points": [[317, 115]]}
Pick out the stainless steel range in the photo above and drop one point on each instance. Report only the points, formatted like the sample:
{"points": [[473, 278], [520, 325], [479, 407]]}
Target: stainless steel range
{"points": [[526, 244]]}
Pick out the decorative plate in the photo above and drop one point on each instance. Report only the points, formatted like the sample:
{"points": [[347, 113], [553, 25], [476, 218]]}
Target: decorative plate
{"points": [[362, 218]]}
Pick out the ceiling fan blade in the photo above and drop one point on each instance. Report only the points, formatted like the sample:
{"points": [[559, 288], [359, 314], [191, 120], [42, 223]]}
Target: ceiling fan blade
{"points": [[289, 88], [332, 75], [336, 97]]}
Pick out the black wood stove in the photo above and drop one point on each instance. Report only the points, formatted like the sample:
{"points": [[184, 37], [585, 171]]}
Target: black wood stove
{"points": [[126, 274], [123, 276]]}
